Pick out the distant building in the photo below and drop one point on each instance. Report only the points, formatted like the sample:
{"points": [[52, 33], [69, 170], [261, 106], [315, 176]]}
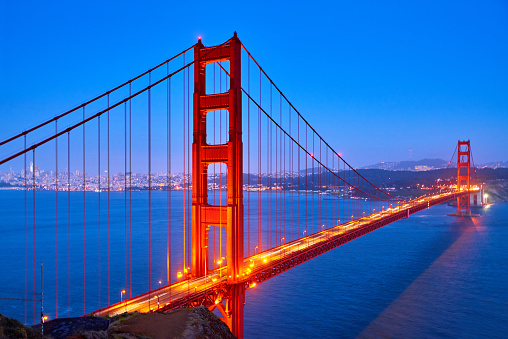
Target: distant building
{"points": [[423, 168], [477, 199]]}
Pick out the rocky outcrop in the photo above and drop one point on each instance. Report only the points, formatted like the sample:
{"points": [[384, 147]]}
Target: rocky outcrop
{"points": [[189, 323], [204, 324]]}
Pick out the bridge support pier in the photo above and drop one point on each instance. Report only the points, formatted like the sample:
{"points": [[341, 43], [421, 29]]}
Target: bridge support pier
{"points": [[234, 310]]}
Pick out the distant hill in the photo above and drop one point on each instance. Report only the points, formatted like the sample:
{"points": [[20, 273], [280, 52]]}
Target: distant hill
{"points": [[384, 178]]}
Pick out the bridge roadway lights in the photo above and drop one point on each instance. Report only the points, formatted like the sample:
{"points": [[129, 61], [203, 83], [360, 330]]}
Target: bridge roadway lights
{"points": [[205, 215]]}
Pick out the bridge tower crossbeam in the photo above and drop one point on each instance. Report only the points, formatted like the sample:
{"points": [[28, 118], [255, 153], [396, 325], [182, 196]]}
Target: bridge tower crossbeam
{"points": [[205, 215]]}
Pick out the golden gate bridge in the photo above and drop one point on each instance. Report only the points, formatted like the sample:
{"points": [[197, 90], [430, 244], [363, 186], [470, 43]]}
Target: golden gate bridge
{"points": [[252, 189]]}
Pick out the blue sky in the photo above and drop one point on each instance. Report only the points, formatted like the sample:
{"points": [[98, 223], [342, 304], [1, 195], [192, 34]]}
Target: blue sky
{"points": [[372, 77]]}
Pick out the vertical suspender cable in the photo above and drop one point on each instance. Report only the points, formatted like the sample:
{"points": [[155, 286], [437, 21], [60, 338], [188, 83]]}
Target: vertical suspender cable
{"points": [[184, 177], [321, 183], [189, 157], [270, 174], [320, 187], [168, 178], [332, 184], [287, 178], [248, 159], [259, 159], [278, 225], [269, 179], [109, 189], [290, 150], [125, 195], [149, 190], [56, 220], [345, 197], [283, 141], [313, 179], [329, 188], [220, 177], [24, 174], [99, 200], [259, 167], [130, 192], [84, 220], [69, 224], [358, 202], [33, 245]]}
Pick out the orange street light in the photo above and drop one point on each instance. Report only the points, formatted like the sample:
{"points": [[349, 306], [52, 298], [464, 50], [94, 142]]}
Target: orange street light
{"points": [[255, 248], [44, 318], [282, 239], [304, 232], [160, 282], [121, 295]]}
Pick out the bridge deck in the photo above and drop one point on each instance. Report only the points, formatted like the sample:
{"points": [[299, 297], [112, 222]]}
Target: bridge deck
{"points": [[265, 265]]}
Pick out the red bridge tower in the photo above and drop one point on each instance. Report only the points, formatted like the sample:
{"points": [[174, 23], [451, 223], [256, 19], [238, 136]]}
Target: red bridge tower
{"points": [[205, 215], [463, 175]]}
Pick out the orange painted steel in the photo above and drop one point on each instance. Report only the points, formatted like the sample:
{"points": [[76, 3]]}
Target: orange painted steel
{"points": [[205, 215], [463, 180]]}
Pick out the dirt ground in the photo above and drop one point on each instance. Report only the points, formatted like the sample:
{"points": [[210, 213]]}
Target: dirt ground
{"points": [[154, 325]]}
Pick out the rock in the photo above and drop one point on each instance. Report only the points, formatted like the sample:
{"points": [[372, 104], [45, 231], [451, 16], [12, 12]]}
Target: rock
{"points": [[66, 327]]}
